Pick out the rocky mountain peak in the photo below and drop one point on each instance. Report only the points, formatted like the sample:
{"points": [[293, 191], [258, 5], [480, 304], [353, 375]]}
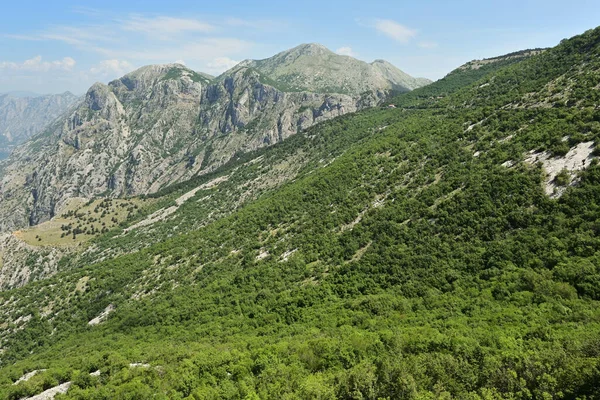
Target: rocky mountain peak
{"points": [[314, 68], [310, 49], [96, 97]]}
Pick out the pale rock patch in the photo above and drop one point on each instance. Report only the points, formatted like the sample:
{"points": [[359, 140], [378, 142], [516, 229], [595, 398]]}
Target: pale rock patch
{"points": [[28, 376], [578, 158], [262, 255], [51, 393], [285, 256], [103, 315]]}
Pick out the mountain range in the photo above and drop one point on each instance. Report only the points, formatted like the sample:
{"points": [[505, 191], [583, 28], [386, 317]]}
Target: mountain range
{"points": [[254, 236], [163, 124]]}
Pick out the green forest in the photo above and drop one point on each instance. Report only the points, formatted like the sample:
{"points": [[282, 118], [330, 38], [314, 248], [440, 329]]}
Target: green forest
{"points": [[411, 254]]}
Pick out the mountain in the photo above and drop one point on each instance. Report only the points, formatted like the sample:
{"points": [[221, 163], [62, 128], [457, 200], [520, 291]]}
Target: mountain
{"points": [[314, 68], [445, 248], [22, 93], [22, 116], [164, 124]]}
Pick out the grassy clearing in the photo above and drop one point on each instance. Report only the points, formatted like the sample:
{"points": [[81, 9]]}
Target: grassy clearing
{"points": [[80, 221]]}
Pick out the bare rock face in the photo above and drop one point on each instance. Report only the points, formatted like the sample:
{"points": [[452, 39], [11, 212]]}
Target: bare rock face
{"points": [[163, 124]]}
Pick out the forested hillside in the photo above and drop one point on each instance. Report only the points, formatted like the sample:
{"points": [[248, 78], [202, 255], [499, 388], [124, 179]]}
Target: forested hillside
{"points": [[446, 248]]}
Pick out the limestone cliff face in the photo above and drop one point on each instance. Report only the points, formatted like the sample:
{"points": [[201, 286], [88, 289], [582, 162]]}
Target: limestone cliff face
{"points": [[156, 126]]}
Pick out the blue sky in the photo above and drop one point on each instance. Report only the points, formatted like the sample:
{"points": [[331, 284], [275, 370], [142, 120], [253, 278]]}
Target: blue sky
{"points": [[53, 46]]}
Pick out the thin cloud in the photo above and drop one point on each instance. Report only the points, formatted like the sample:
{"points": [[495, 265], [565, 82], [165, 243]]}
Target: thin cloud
{"points": [[395, 30], [346, 51], [111, 68], [427, 45], [258, 25], [88, 11], [75, 36], [221, 64], [145, 39], [164, 26], [36, 64], [201, 50]]}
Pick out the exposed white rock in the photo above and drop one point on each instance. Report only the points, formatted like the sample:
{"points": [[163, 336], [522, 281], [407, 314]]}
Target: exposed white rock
{"points": [[139, 365], [103, 315], [206, 185], [159, 215], [577, 159], [28, 376], [285, 256], [51, 393], [262, 255], [14, 272]]}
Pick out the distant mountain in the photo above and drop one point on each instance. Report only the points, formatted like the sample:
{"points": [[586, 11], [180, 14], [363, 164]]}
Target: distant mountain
{"points": [[166, 123], [22, 93], [22, 115], [314, 68]]}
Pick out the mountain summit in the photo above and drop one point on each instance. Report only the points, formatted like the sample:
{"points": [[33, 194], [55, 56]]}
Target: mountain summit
{"points": [[314, 68]]}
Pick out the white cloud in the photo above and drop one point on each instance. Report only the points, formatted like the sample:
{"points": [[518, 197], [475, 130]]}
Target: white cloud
{"points": [[346, 51], [80, 37], [165, 26], [111, 68], [428, 45], [140, 39], [221, 64], [36, 64], [200, 51], [394, 30], [88, 11]]}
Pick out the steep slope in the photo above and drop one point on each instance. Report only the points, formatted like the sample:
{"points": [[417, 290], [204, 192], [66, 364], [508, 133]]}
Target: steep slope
{"points": [[21, 117], [415, 264], [314, 68], [166, 124]]}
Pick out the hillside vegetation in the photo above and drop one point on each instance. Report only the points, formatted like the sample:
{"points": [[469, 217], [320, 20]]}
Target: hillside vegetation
{"points": [[407, 253]]}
